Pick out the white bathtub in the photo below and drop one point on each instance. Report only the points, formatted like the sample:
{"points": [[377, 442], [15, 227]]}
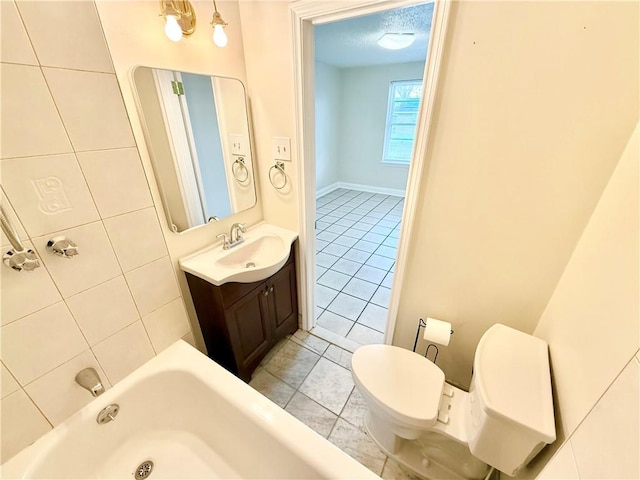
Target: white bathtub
{"points": [[193, 419]]}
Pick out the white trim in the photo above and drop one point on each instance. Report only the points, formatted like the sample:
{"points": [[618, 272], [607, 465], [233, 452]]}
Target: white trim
{"points": [[304, 13], [328, 189], [396, 192]]}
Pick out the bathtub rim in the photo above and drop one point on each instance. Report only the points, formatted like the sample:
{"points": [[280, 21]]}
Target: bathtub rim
{"points": [[321, 455]]}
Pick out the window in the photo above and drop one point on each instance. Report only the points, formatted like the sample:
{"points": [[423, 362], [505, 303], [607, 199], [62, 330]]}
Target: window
{"points": [[402, 115]]}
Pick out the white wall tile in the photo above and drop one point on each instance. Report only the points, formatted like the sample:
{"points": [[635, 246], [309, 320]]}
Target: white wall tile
{"points": [[67, 34], [49, 193], [22, 424], [562, 465], [40, 342], [7, 382], [91, 108], [26, 102], [167, 325], [103, 310], [122, 353], [136, 238], [607, 444], [96, 263], [153, 285], [58, 395], [15, 46], [116, 180], [25, 292]]}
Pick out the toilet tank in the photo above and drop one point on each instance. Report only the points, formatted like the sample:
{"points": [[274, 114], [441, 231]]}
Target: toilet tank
{"points": [[510, 403]]}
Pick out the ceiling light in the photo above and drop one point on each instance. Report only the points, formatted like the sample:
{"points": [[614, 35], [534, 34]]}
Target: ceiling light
{"points": [[180, 18], [218, 24], [396, 41]]}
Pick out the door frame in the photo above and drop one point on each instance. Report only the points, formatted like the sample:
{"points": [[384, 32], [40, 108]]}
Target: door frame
{"points": [[304, 14]]}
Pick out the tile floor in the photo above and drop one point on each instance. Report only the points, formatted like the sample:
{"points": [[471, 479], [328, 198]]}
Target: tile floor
{"points": [[310, 378], [356, 245]]}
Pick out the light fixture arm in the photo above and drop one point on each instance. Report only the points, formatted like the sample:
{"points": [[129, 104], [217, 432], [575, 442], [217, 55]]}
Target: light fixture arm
{"points": [[217, 18], [183, 12]]}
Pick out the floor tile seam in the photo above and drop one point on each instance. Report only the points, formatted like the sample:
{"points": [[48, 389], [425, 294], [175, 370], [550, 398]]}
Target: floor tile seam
{"points": [[386, 237], [289, 384], [347, 293], [305, 377], [329, 269], [367, 326], [317, 403], [351, 211]]}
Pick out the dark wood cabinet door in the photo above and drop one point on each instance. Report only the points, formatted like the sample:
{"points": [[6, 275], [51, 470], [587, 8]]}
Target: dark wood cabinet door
{"points": [[249, 331], [283, 301]]}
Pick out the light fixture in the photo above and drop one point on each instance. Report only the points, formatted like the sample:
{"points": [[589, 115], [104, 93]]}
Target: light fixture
{"points": [[218, 24], [396, 41], [180, 18]]}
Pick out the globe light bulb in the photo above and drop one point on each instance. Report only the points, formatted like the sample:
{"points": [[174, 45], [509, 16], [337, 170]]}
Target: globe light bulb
{"points": [[219, 36], [172, 29]]}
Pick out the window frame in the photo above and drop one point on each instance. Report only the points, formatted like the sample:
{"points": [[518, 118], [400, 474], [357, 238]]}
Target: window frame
{"points": [[389, 123]]}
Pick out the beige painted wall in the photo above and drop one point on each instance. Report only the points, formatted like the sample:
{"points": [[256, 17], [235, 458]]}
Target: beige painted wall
{"points": [[592, 325], [266, 33], [139, 20], [537, 102]]}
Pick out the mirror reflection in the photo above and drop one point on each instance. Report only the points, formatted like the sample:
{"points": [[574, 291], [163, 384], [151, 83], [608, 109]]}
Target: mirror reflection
{"points": [[197, 132]]}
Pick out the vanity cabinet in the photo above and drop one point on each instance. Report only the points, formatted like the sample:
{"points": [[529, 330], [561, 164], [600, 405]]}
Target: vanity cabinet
{"points": [[241, 322]]}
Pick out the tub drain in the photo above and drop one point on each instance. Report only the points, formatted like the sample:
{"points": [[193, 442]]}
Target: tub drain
{"points": [[144, 470]]}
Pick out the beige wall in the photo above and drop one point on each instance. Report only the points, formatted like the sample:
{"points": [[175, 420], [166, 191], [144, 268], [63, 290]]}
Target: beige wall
{"points": [[536, 103], [266, 33], [196, 54], [117, 303], [592, 325]]}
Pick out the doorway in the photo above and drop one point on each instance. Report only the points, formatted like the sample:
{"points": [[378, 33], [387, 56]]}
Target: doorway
{"points": [[342, 196]]}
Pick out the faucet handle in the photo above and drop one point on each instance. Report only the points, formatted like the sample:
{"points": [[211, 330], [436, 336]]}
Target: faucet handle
{"points": [[225, 240]]}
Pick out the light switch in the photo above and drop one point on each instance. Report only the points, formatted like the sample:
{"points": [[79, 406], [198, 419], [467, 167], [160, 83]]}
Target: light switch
{"points": [[237, 144], [282, 148]]}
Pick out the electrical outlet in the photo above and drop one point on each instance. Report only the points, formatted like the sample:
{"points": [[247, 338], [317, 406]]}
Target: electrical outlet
{"points": [[282, 148]]}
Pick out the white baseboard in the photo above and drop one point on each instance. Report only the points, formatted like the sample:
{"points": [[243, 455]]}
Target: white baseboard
{"points": [[396, 192], [328, 189]]}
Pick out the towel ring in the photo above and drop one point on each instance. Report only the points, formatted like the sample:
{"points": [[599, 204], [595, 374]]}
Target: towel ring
{"points": [[241, 167], [279, 167]]}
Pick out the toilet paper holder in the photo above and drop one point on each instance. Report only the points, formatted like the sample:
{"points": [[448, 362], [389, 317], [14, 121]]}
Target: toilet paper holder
{"points": [[423, 324]]}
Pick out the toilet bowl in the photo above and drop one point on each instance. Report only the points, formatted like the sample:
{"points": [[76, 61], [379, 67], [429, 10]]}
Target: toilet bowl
{"points": [[440, 431]]}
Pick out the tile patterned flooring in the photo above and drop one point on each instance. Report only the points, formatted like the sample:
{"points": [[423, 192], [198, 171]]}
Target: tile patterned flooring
{"points": [[356, 245], [310, 378]]}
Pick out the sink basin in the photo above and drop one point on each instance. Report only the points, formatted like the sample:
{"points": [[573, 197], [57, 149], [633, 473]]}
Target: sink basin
{"points": [[264, 250]]}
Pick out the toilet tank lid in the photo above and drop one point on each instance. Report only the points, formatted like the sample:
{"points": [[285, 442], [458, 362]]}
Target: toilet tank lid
{"points": [[512, 376]]}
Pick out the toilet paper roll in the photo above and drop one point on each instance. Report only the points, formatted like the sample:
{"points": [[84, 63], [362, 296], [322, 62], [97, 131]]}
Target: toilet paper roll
{"points": [[437, 331]]}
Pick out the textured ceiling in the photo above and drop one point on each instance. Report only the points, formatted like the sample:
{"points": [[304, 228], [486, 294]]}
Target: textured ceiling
{"points": [[352, 42]]}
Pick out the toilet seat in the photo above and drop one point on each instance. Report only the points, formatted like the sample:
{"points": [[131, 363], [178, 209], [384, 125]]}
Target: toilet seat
{"points": [[402, 383]]}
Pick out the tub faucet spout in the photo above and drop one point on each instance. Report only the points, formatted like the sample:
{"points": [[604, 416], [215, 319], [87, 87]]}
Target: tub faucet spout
{"points": [[88, 378]]}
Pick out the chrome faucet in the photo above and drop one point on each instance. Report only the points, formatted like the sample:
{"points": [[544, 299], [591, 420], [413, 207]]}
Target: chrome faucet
{"points": [[234, 238], [89, 379], [237, 229]]}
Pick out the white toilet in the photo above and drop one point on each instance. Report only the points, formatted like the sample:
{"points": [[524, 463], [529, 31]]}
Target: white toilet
{"points": [[439, 431]]}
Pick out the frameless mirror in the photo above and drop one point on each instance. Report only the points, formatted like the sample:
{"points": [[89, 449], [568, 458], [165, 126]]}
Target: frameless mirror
{"points": [[197, 132]]}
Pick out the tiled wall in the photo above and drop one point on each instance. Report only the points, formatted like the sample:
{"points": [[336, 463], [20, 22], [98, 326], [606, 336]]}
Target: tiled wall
{"points": [[70, 167]]}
